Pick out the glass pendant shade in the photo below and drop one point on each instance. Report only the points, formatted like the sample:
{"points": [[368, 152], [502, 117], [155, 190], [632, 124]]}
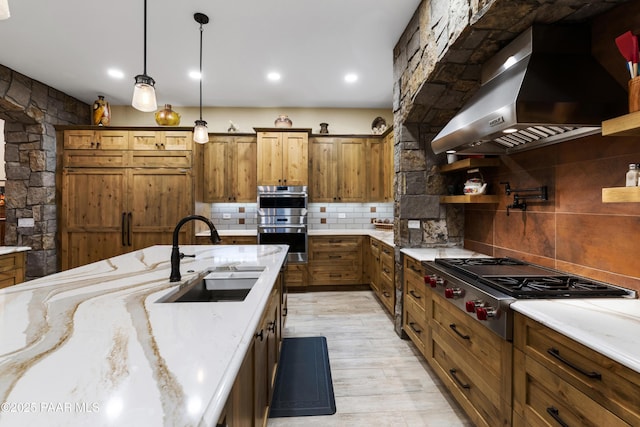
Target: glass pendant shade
{"points": [[200, 132], [144, 94], [4, 9]]}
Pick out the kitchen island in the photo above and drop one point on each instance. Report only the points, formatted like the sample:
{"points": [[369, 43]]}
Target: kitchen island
{"points": [[93, 346]]}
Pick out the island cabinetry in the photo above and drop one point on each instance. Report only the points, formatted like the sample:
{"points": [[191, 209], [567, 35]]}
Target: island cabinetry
{"points": [[338, 169], [12, 269], [335, 260], [283, 156], [227, 169], [416, 302], [473, 362], [558, 381], [115, 201], [252, 392]]}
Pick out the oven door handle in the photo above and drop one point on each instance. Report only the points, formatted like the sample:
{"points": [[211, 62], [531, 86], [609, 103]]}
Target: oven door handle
{"points": [[288, 194], [262, 227]]}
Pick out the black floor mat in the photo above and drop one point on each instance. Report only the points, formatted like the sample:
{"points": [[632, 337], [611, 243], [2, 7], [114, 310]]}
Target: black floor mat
{"points": [[303, 383]]}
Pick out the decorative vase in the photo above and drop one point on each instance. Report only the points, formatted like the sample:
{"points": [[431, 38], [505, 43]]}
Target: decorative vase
{"points": [[324, 127], [101, 112], [167, 117], [283, 121]]}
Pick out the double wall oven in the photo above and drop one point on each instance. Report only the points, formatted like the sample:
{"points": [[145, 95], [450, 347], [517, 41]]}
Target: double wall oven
{"points": [[282, 219], [484, 288]]}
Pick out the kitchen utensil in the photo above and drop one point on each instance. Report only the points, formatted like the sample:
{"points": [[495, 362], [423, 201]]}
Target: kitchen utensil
{"points": [[626, 48]]}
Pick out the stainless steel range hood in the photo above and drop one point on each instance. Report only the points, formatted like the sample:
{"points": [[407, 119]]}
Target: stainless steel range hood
{"points": [[554, 91]]}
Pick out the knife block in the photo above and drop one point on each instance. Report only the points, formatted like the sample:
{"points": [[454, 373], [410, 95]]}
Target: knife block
{"points": [[634, 94]]}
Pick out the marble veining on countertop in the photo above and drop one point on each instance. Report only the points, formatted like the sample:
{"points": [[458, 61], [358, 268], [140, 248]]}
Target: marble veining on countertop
{"points": [[608, 326], [91, 346]]}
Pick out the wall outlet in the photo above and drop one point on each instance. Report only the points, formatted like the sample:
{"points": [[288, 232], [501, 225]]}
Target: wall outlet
{"points": [[342, 215], [26, 222], [226, 216], [414, 223]]}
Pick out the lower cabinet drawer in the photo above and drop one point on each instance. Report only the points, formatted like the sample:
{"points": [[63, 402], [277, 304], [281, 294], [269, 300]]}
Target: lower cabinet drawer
{"points": [[331, 275], [544, 398], [474, 389], [415, 326], [296, 275]]}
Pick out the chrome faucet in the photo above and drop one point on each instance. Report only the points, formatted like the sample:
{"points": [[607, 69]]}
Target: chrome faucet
{"points": [[176, 256]]}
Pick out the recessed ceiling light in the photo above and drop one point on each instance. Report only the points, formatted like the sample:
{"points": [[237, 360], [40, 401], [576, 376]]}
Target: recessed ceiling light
{"points": [[351, 78], [274, 76], [116, 74], [195, 75]]}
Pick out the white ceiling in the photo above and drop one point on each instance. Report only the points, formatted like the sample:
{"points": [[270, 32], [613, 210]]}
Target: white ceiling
{"points": [[70, 44]]}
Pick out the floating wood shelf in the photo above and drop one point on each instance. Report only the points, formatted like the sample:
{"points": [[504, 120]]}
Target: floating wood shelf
{"points": [[627, 125], [482, 198], [621, 194], [469, 163]]}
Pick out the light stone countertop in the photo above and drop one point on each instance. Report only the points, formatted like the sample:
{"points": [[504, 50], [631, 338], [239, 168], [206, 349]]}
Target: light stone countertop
{"points": [[5, 250], [91, 346], [384, 235], [429, 254], [608, 326]]}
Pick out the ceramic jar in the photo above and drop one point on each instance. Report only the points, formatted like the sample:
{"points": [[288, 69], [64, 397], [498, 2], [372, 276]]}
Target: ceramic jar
{"points": [[324, 127], [167, 117], [283, 121], [101, 112]]}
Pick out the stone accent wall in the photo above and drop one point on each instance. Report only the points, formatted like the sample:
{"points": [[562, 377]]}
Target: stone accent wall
{"points": [[30, 110], [437, 64]]}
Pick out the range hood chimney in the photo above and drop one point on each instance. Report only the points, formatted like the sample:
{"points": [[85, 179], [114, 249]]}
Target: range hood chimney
{"points": [[543, 88]]}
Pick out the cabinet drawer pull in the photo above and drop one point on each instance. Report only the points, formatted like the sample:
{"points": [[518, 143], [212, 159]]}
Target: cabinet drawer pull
{"points": [[417, 331], [386, 270], [454, 328], [260, 334], [124, 228], [413, 294], [335, 275], [335, 256], [386, 294], [556, 353], [556, 416], [454, 373]]}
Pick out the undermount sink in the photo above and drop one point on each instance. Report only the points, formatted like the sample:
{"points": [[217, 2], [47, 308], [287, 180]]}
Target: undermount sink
{"points": [[220, 284]]}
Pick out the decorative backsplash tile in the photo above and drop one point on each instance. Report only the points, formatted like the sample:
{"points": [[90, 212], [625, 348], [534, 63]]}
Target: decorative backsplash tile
{"points": [[321, 216]]}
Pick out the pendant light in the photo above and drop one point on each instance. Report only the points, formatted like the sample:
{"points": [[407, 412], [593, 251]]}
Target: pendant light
{"points": [[200, 131], [144, 93], [4, 9]]}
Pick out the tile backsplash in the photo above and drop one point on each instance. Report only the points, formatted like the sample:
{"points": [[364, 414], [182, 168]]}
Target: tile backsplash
{"points": [[321, 216]]}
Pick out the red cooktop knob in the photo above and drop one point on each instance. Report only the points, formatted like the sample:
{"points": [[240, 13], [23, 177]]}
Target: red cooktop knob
{"points": [[481, 313], [470, 306], [448, 293], [433, 279]]}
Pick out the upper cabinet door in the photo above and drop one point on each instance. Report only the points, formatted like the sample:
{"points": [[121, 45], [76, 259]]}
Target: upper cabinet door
{"points": [[352, 176], [82, 139], [295, 162], [270, 158]]}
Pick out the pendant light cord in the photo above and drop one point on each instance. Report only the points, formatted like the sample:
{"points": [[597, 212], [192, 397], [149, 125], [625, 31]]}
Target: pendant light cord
{"points": [[145, 38], [200, 70]]}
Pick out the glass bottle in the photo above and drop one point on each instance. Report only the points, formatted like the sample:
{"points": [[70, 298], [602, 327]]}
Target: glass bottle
{"points": [[632, 176]]}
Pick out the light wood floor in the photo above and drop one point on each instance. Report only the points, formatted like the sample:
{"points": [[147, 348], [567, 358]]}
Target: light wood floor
{"points": [[378, 378]]}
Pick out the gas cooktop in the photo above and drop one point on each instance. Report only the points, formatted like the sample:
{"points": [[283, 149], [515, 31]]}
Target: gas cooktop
{"points": [[520, 279]]}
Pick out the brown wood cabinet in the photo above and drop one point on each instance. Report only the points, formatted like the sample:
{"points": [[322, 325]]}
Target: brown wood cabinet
{"points": [[382, 273], [252, 392], [474, 363], [229, 169], [380, 169], [416, 303], [335, 260], [558, 380], [338, 169], [283, 156], [93, 139], [115, 201], [12, 269]]}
